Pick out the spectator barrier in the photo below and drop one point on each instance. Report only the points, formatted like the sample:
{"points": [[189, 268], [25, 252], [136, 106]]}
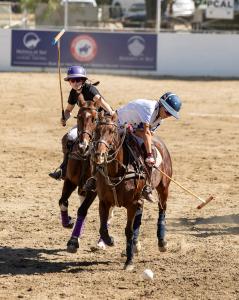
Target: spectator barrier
{"points": [[165, 54]]}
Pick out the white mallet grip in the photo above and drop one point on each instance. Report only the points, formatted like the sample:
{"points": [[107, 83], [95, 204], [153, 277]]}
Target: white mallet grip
{"points": [[58, 36]]}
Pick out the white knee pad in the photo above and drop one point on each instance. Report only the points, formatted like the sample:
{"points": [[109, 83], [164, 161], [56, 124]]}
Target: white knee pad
{"points": [[72, 134]]}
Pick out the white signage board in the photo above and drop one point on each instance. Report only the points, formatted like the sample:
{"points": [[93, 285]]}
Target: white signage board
{"points": [[220, 9]]}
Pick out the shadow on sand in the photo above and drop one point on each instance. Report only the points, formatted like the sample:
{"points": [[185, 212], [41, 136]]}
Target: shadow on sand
{"points": [[29, 261], [218, 225]]}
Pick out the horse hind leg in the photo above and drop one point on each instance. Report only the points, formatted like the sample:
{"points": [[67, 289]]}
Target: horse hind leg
{"points": [[161, 225], [68, 188]]}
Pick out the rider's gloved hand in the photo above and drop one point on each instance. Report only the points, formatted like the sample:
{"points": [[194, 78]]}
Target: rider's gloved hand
{"points": [[63, 122], [130, 128], [150, 161], [65, 116]]}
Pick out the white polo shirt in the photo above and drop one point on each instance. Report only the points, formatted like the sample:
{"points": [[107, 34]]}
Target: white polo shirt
{"points": [[139, 111]]}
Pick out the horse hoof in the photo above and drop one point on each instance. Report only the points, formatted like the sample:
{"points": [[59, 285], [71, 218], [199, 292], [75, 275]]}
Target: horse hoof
{"points": [[162, 245], [70, 223], [101, 245], [72, 245], [109, 241], [129, 267], [137, 248]]}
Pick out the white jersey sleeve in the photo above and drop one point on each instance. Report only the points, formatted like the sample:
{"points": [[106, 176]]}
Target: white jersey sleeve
{"points": [[136, 112]]}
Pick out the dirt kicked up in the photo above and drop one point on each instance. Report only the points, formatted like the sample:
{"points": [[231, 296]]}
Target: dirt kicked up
{"points": [[202, 257]]}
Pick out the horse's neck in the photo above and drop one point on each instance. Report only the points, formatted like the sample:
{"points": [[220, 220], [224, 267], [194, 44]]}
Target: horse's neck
{"points": [[117, 166]]}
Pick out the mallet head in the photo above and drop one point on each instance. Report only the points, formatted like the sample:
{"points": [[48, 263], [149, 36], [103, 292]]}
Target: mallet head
{"points": [[205, 203]]}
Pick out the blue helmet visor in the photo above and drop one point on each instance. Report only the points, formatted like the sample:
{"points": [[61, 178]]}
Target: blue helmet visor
{"points": [[169, 109]]}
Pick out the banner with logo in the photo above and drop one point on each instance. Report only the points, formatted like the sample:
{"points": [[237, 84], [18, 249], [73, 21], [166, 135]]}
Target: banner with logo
{"points": [[95, 50], [220, 9]]}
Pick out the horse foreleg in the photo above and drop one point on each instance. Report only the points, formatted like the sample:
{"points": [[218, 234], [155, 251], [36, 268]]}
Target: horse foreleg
{"points": [[104, 214], [136, 227], [162, 243], [73, 243], [129, 232], [100, 243], [68, 188]]}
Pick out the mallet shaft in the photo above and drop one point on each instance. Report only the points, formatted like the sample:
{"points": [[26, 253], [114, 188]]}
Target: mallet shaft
{"points": [[188, 191], [191, 193]]}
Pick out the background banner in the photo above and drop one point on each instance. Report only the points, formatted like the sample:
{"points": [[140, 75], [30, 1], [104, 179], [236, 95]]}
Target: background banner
{"points": [[93, 50]]}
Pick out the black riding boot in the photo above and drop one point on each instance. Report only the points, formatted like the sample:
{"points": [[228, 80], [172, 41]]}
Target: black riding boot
{"points": [[90, 185], [60, 172]]}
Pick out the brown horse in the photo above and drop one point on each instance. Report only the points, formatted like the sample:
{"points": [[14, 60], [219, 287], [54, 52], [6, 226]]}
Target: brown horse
{"points": [[78, 171], [118, 185]]}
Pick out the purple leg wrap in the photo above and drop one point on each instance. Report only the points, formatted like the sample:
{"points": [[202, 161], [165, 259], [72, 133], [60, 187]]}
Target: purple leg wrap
{"points": [[79, 226], [64, 218]]}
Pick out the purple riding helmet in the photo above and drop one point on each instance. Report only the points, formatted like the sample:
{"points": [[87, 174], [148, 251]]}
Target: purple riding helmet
{"points": [[75, 72]]}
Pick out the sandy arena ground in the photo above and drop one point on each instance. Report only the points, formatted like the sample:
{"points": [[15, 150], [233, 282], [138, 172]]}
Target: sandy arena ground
{"points": [[202, 257]]}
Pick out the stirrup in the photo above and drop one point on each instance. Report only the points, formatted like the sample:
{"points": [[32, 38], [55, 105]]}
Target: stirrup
{"points": [[147, 193], [57, 174]]}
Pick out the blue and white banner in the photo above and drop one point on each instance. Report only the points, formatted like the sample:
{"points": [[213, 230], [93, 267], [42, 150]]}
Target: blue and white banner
{"points": [[126, 51]]}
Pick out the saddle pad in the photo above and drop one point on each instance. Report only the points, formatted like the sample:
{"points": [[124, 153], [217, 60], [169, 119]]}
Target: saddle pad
{"points": [[157, 156]]}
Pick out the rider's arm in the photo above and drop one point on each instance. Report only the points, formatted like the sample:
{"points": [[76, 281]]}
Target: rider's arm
{"points": [[67, 113], [68, 110], [103, 104], [147, 137]]}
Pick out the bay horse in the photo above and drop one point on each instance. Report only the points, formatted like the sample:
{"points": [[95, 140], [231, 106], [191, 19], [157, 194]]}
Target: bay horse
{"points": [[78, 171], [118, 185]]}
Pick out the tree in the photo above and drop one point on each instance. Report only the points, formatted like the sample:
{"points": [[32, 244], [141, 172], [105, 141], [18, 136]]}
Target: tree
{"points": [[30, 5], [151, 8]]}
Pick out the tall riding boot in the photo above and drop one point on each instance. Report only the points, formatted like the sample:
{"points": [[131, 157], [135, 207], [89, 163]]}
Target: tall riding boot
{"points": [[90, 185], [60, 172], [147, 191]]}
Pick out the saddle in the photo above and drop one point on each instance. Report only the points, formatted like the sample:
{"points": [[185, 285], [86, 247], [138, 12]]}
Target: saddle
{"points": [[137, 154]]}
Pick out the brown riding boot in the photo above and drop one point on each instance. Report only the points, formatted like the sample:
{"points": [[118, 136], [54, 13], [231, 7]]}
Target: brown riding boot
{"points": [[147, 193]]}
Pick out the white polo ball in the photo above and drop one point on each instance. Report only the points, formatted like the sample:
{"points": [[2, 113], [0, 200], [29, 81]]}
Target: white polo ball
{"points": [[148, 274]]}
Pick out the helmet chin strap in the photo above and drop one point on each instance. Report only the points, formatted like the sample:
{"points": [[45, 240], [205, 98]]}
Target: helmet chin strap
{"points": [[157, 117], [79, 90]]}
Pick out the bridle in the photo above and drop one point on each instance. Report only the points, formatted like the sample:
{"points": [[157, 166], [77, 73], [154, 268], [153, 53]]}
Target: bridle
{"points": [[81, 132], [77, 154], [110, 157]]}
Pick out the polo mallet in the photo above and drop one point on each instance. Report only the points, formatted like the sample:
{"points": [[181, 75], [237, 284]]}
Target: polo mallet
{"points": [[204, 202], [55, 41]]}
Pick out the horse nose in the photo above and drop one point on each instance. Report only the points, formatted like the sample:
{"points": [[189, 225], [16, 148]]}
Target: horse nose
{"points": [[83, 147], [99, 158]]}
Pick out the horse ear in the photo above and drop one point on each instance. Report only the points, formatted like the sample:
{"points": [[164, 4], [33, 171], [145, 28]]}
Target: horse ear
{"points": [[101, 114], [81, 100], [114, 116]]}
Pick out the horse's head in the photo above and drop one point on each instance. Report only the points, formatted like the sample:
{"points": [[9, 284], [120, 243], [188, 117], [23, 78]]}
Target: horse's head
{"points": [[105, 136], [86, 123]]}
